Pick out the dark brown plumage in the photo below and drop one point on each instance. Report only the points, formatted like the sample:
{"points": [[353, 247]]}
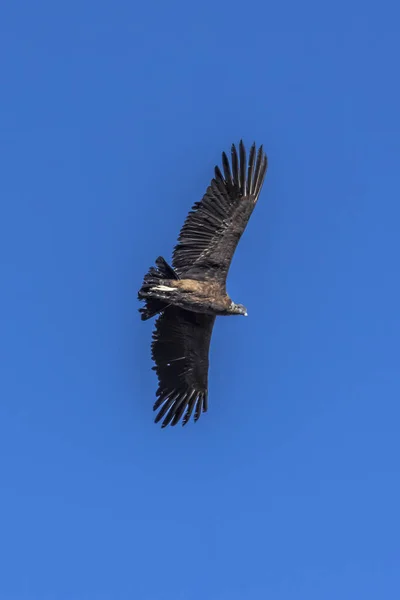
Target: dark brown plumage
{"points": [[189, 295]]}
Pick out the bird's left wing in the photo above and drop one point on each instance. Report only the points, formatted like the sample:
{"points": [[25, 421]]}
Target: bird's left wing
{"points": [[180, 348]]}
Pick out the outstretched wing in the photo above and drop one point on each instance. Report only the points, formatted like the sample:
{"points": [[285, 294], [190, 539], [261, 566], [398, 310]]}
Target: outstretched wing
{"points": [[181, 342], [214, 226]]}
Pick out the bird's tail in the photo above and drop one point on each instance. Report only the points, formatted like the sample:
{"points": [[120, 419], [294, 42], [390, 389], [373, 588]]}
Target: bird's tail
{"points": [[153, 306]]}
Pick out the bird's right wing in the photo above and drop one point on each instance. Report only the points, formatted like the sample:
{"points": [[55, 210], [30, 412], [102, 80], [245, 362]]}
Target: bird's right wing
{"points": [[214, 226], [180, 348]]}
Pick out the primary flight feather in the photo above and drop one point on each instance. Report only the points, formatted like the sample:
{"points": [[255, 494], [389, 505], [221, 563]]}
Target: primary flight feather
{"points": [[191, 293]]}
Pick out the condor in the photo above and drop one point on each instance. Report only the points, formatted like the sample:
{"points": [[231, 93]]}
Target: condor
{"points": [[191, 293]]}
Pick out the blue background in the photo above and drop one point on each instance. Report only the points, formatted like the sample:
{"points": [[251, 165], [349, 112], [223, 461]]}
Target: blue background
{"points": [[112, 118]]}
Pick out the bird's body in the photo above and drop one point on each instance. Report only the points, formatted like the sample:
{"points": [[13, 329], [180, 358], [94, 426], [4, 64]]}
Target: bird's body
{"points": [[191, 293], [207, 297]]}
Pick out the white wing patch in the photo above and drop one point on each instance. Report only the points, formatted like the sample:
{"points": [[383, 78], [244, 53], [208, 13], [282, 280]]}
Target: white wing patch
{"points": [[163, 288]]}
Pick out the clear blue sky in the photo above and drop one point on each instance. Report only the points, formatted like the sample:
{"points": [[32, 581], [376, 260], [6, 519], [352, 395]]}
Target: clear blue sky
{"points": [[112, 117]]}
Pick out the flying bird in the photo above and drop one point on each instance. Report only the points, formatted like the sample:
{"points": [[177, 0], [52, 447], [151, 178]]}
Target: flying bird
{"points": [[191, 293]]}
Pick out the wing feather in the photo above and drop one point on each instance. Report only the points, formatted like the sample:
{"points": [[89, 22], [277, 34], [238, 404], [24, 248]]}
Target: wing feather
{"points": [[250, 171], [242, 168], [227, 170]]}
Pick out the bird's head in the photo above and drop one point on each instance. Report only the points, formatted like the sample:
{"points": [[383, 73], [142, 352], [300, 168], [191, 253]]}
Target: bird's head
{"points": [[238, 309]]}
